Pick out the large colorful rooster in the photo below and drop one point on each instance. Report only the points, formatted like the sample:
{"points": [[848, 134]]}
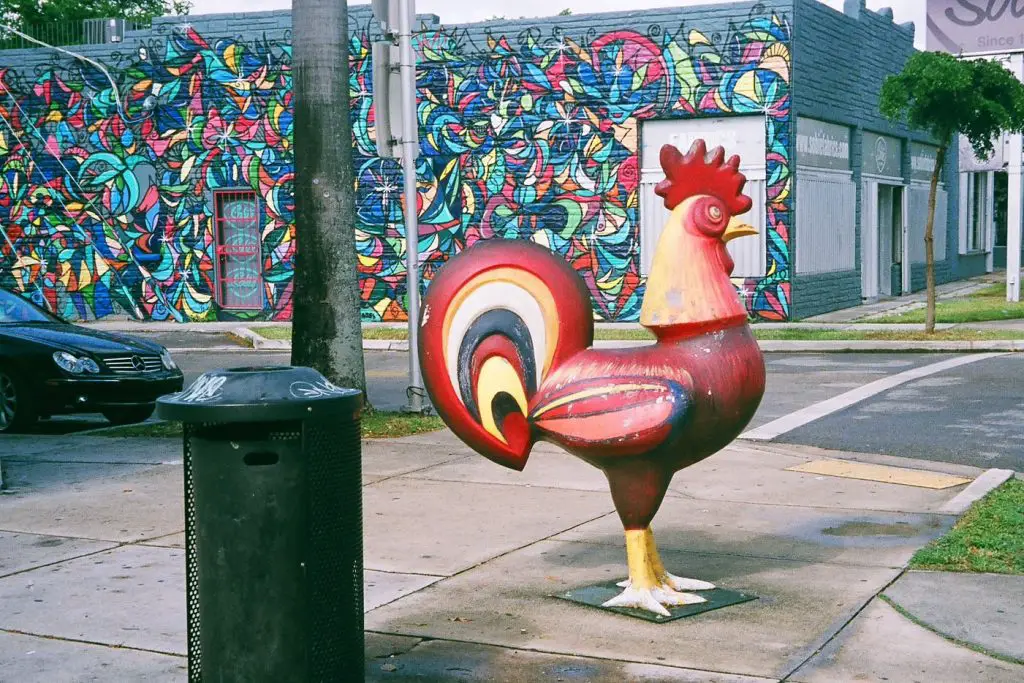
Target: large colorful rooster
{"points": [[506, 331]]}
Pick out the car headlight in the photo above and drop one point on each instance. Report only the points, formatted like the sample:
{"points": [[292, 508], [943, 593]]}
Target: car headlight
{"points": [[76, 365], [165, 358]]}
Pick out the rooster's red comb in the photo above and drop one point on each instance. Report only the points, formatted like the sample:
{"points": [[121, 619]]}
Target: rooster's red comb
{"points": [[693, 174]]}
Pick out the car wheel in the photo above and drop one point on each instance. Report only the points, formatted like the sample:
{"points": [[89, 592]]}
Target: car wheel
{"points": [[129, 414], [16, 405]]}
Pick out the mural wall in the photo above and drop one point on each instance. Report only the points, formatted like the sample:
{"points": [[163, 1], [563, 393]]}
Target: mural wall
{"points": [[108, 207]]}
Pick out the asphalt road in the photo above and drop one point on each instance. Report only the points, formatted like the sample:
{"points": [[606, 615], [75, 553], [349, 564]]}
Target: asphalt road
{"points": [[973, 414], [797, 380]]}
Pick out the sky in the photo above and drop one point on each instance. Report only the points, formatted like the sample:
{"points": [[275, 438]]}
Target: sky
{"points": [[460, 11]]}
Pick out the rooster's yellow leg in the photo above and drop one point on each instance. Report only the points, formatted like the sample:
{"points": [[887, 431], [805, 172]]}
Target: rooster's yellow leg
{"points": [[648, 586], [677, 582]]}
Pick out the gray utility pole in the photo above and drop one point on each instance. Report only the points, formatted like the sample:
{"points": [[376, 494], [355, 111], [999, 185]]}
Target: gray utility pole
{"points": [[395, 102], [1014, 200], [326, 329]]}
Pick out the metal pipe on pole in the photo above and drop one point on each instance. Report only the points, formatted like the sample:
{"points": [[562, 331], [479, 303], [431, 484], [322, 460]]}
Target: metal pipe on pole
{"points": [[410, 148], [396, 113]]}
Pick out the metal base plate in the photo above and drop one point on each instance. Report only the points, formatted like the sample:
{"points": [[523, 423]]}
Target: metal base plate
{"points": [[597, 594]]}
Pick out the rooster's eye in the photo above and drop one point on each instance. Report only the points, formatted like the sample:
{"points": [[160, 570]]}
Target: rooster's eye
{"points": [[714, 213]]}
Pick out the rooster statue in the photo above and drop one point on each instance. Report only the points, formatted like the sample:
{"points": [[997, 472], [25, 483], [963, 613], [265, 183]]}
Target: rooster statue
{"points": [[505, 349]]}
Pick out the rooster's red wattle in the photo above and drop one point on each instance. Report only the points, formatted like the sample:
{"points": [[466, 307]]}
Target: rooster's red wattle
{"points": [[505, 350]]}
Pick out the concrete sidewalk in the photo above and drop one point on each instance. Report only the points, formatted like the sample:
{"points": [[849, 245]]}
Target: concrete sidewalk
{"points": [[463, 557]]}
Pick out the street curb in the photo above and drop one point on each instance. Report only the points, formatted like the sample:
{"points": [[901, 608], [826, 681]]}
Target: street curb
{"points": [[976, 490], [768, 346], [385, 345], [261, 343]]}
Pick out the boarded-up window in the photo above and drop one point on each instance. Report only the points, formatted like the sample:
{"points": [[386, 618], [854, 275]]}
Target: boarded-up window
{"points": [[742, 135], [918, 219], [239, 273], [826, 226]]}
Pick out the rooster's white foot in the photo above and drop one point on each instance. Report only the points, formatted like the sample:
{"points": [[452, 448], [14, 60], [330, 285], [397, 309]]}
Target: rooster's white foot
{"points": [[653, 599], [678, 583], [649, 587]]}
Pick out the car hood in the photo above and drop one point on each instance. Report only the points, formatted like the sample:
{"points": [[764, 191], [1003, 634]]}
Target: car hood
{"points": [[74, 338]]}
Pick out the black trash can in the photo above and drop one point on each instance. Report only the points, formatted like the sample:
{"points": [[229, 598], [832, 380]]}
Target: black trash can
{"points": [[273, 526]]}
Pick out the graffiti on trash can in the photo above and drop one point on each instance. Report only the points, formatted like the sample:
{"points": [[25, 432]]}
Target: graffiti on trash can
{"points": [[204, 389], [317, 389]]}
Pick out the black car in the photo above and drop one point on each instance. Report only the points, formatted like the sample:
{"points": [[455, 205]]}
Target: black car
{"points": [[51, 367]]}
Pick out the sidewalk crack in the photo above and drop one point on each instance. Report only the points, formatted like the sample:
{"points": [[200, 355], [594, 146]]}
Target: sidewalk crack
{"points": [[842, 628]]}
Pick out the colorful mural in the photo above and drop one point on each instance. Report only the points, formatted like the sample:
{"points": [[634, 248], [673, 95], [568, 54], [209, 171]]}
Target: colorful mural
{"points": [[107, 207], [536, 137]]}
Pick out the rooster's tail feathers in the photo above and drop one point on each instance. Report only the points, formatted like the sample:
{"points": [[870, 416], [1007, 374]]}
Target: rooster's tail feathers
{"points": [[496, 320]]}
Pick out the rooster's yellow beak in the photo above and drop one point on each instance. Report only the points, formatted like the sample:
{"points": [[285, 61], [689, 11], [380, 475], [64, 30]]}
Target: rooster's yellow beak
{"points": [[737, 228]]}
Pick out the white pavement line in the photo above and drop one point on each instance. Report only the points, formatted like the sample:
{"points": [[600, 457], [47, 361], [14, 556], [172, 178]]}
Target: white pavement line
{"points": [[978, 489], [788, 423]]}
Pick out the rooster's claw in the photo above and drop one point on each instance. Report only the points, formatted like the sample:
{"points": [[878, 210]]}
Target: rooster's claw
{"points": [[653, 599], [678, 583]]}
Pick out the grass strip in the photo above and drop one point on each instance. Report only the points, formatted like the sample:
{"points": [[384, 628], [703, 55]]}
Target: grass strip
{"points": [[375, 424], [988, 538], [985, 305]]}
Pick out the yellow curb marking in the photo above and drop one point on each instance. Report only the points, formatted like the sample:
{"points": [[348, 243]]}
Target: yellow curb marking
{"points": [[882, 473]]}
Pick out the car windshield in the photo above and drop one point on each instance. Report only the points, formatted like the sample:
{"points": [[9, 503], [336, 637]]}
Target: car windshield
{"points": [[15, 309]]}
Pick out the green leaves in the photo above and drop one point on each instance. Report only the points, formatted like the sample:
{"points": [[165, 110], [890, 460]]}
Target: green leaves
{"points": [[947, 96], [937, 92], [35, 12]]}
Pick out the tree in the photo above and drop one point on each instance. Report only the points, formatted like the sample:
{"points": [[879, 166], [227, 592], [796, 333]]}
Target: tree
{"points": [[326, 327], [565, 13], [29, 13], [947, 97], [62, 22]]}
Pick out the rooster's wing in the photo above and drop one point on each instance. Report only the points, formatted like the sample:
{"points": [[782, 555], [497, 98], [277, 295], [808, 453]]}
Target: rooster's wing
{"points": [[612, 415]]}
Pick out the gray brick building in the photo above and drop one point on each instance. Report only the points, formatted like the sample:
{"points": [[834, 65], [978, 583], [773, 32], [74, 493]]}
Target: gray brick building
{"points": [[171, 194]]}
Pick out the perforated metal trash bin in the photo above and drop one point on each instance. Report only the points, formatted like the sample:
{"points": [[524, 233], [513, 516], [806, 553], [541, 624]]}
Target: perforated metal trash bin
{"points": [[273, 526]]}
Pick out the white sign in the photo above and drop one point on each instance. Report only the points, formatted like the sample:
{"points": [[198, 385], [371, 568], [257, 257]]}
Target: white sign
{"points": [[822, 145], [922, 160], [969, 161], [975, 26], [742, 135], [881, 155]]}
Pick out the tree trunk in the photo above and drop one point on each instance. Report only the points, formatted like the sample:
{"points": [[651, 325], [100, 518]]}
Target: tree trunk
{"points": [[929, 242], [326, 328]]}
